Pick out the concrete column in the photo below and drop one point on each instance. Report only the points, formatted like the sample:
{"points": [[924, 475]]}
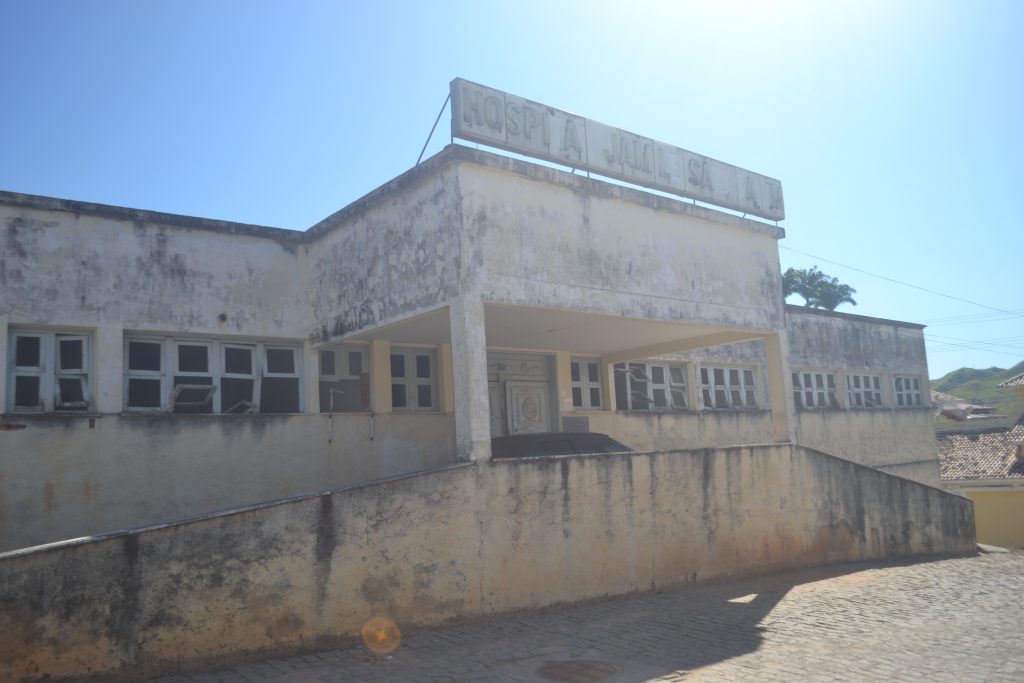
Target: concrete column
{"points": [[447, 381], [311, 378], [107, 380], [563, 382], [609, 382], [380, 376], [469, 374], [780, 387]]}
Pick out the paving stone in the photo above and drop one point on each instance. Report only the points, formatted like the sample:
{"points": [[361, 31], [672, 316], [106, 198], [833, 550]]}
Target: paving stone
{"points": [[946, 620]]}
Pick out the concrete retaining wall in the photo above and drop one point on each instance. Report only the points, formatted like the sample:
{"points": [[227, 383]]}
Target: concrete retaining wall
{"points": [[463, 541], [70, 476]]}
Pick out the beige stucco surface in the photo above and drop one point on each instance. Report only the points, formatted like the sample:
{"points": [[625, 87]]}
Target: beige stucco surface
{"points": [[469, 540], [63, 478], [644, 431], [1000, 516]]}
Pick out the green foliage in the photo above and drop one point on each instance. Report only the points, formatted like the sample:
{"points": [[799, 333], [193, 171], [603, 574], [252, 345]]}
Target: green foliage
{"points": [[817, 289], [981, 386]]}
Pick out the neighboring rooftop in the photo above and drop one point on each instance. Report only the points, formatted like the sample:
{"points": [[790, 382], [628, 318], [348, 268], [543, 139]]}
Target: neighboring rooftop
{"points": [[988, 455], [1015, 381]]}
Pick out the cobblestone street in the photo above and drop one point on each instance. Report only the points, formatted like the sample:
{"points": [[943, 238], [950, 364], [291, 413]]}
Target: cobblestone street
{"points": [[958, 619]]}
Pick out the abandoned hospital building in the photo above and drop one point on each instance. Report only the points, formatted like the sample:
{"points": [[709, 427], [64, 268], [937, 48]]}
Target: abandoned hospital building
{"points": [[159, 366]]}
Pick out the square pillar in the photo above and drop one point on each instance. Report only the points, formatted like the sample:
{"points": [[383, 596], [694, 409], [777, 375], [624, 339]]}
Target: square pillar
{"points": [[107, 379], [780, 387], [563, 382], [469, 377], [444, 360], [380, 376]]}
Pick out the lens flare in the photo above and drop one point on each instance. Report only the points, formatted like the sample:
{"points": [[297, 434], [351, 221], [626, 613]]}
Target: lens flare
{"points": [[381, 635]]}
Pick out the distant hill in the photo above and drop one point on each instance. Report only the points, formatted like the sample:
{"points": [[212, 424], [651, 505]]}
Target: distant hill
{"points": [[980, 386]]}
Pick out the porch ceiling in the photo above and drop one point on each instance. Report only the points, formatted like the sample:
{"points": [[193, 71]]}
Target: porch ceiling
{"points": [[520, 327], [545, 329]]}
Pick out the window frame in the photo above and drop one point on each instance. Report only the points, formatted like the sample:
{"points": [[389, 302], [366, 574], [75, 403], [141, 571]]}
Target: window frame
{"points": [[341, 356], [857, 396], [585, 384], [903, 398], [411, 381], [745, 391], [823, 390], [668, 385], [49, 371], [170, 368]]}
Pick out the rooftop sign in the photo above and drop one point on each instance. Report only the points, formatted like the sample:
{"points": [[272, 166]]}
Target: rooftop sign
{"points": [[495, 118]]}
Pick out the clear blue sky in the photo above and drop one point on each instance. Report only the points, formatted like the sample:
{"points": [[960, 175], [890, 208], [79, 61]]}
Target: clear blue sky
{"points": [[895, 127]]}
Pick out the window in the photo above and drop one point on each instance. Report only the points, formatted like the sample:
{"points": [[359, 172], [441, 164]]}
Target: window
{"points": [[48, 371], [650, 386], [724, 388], [413, 379], [865, 391], [185, 376], [907, 392], [814, 390], [586, 383], [344, 380]]}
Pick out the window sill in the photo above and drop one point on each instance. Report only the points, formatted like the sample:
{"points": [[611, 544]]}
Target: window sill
{"points": [[52, 415]]}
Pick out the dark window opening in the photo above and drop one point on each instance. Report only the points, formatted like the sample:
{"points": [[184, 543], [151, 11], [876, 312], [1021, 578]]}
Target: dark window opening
{"points": [[279, 395], [26, 392], [281, 361], [71, 354], [236, 395], [144, 356], [237, 361], [72, 394], [192, 358], [397, 394], [424, 396], [143, 393], [27, 352], [327, 363]]}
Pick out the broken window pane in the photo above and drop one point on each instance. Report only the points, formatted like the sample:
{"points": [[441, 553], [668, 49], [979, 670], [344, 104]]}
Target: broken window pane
{"points": [[423, 367], [26, 391], [26, 352], [397, 393], [192, 358], [279, 395], [237, 361], [342, 396], [327, 363], [355, 363], [281, 361], [72, 391], [424, 396], [236, 395], [144, 356], [143, 393], [397, 365], [193, 394], [71, 354]]}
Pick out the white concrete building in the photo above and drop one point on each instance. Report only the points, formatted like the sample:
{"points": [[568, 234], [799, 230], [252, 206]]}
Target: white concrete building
{"points": [[161, 366]]}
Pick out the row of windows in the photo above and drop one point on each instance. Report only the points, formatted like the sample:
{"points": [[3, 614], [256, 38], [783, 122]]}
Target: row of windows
{"points": [[818, 390], [50, 371], [658, 386]]}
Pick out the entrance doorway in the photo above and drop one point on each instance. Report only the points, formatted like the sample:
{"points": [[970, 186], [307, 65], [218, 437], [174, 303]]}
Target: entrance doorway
{"points": [[520, 393]]}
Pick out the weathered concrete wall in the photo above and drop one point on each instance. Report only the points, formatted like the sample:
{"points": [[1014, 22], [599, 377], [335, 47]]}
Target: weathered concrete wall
{"points": [[901, 442], [395, 252], [643, 431], [468, 540], [558, 240], [69, 476], [823, 340], [63, 268]]}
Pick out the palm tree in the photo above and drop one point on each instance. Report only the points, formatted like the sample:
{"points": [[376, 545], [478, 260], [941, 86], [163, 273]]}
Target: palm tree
{"points": [[818, 289]]}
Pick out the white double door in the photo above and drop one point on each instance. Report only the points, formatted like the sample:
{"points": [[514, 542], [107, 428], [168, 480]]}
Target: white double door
{"points": [[519, 390]]}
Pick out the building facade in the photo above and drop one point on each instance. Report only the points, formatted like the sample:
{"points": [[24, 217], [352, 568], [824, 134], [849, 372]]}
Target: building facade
{"points": [[161, 366]]}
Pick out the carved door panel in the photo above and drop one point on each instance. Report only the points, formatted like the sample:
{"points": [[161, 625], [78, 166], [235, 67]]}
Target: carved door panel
{"points": [[528, 407], [494, 398]]}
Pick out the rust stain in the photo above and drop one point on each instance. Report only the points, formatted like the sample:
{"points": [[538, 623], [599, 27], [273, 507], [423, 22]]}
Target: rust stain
{"points": [[49, 497]]}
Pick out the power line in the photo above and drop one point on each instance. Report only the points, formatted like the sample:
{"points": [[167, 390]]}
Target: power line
{"points": [[905, 284]]}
